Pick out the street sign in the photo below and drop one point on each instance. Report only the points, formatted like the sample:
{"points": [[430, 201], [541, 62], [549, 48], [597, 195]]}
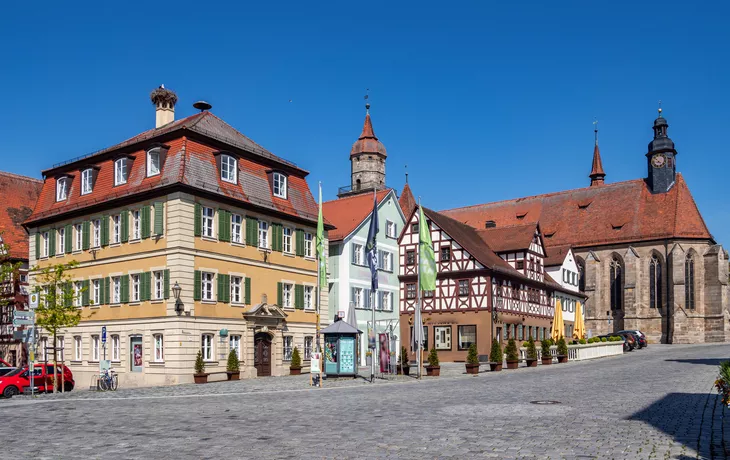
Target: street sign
{"points": [[22, 322], [103, 334], [26, 336], [30, 315], [34, 300], [314, 366]]}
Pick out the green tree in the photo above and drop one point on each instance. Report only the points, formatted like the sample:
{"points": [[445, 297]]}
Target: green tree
{"points": [[404, 358], [199, 363], [296, 360], [531, 349], [495, 354], [433, 358], [473, 356], [56, 307], [233, 365], [511, 351], [545, 346]]}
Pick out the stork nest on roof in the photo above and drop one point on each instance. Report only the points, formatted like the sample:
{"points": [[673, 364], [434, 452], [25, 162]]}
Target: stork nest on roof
{"points": [[163, 95]]}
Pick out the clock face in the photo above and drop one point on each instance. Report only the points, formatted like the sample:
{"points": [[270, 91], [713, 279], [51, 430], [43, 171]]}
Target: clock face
{"points": [[658, 160]]}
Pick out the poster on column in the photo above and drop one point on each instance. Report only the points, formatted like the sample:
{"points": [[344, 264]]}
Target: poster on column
{"points": [[384, 353], [347, 355]]}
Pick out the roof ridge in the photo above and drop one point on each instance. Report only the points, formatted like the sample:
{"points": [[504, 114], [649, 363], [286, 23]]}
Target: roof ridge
{"points": [[359, 195], [20, 176]]}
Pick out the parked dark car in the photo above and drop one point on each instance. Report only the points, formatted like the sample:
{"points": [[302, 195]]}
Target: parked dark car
{"points": [[628, 339], [643, 343]]}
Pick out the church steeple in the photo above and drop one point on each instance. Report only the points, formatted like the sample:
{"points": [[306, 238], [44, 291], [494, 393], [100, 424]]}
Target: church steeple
{"points": [[597, 175], [661, 158]]}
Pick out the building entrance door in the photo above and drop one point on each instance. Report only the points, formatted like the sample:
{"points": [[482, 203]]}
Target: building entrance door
{"points": [[135, 353], [262, 354]]}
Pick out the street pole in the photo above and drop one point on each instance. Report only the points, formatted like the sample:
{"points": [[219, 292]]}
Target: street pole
{"points": [[419, 353], [373, 350]]}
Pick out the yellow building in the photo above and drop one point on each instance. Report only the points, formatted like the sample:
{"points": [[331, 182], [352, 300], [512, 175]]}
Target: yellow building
{"points": [[192, 203]]}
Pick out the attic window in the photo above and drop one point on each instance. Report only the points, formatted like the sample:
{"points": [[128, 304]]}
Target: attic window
{"points": [[617, 226], [584, 204], [229, 169], [549, 234], [280, 188], [153, 162], [62, 188], [521, 215], [87, 181], [490, 224]]}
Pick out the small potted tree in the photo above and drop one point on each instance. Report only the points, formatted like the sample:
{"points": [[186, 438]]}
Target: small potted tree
{"points": [[496, 357], [531, 358], [433, 369], [233, 367], [472, 360], [295, 367], [562, 351], [200, 376], [547, 357], [404, 367], [513, 357]]}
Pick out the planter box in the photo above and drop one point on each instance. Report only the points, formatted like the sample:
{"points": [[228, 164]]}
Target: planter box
{"points": [[433, 371], [531, 362], [495, 367], [547, 361], [406, 370], [562, 359], [472, 369], [513, 364], [234, 375], [295, 371], [200, 378]]}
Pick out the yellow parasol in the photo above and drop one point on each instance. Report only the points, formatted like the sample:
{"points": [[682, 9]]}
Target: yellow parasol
{"points": [[579, 330], [558, 325]]}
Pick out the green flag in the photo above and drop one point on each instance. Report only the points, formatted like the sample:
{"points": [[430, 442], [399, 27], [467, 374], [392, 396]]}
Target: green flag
{"points": [[426, 259], [321, 260]]}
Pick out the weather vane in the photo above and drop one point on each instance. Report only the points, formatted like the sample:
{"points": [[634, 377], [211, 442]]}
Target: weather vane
{"points": [[595, 128], [660, 107], [367, 103]]}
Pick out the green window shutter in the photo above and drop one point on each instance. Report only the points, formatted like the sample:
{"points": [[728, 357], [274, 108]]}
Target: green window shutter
{"points": [[299, 297], [279, 294], [300, 242], [276, 237], [227, 287], [125, 227], [145, 211], [167, 284], [228, 226], [221, 294], [104, 231], [247, 291], [85, 234], [148, 285], [222, 236], [159, 217], [107, 284], [51, 242], [85, 297], [69, 238], [224, 288], [125, 289], [198, 224], [252, 231], [197, 290], [37, 246]]}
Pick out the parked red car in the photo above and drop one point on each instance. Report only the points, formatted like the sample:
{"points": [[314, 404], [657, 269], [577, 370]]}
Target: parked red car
{"points": [[15, 382]]}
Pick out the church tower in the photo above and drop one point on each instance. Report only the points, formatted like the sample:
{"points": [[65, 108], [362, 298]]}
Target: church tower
{"points": [[661, 163], [367, 159]]}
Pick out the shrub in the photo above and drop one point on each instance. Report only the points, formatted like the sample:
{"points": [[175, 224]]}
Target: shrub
{"points": [[603, 339], [531, 349], [495, 354], [473, 356], [296, 360], [433, 358], [199, 363], [404, 358], [582, 341], [545, 347], [233, 365], [562, 347], [511, 351]]}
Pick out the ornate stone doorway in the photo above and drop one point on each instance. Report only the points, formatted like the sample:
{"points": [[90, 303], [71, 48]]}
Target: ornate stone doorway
{"points": [[262, 354]]}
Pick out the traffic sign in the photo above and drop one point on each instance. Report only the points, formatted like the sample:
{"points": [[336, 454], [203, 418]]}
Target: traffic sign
{"points": [[26, 336], [103, 334], [34, 296], [17, 314], [23, 322]]}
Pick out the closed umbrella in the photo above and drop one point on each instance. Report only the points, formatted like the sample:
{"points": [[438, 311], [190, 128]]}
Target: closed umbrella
{"points": [[558, 326], [350, 317], [579, 331]]}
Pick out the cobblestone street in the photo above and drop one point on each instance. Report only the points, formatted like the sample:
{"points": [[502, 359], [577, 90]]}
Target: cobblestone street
{"points": [[654, 403]]}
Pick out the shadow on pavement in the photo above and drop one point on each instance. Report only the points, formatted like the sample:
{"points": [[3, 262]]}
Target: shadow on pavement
{"points": [[705, 361]]}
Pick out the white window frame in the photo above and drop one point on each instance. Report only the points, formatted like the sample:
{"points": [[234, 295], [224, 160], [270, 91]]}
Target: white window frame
{"points": [[87, 179], [236, 227], [236, 289], [308, 297], [287, 290], [158, 355], [95, 295], [279, 185], [308, 245], [308, 346], [390, 229], [287, 243], [159, 285], [234, 343], [440, 340], [79, 229], [62, 189], [78, 350], [78, 286], [387, 302], [116, 288], [359, 294], [136, 224], [116, 228], [94, 348], [96, 224], [357, 254], [45, 237], [121, 173], [287, 346], [116, 347], [206, 285], [134, 288], [61, 241], [263, 234], [206, 346], [229, 169], [208, 216], [152, 169]]}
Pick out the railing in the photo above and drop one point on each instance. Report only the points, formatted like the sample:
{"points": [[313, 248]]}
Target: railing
{"points": [[363, 187], [583, 352]]}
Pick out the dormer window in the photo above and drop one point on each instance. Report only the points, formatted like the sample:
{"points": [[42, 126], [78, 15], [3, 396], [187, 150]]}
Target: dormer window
{"points": [[62, 188], [153, 162], [229, 169], [120, 171], [87, 181], [279, 185]]}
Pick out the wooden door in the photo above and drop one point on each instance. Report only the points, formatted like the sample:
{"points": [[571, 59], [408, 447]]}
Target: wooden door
{"points": [[262, 354]]}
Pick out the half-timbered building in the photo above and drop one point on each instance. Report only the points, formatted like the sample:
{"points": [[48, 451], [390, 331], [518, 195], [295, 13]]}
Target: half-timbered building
{"points": [[489, 283]]}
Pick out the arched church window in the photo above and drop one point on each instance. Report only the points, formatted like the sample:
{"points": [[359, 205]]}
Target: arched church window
{"points": [[616, 278], [689, 282], [357, 184], [581, 275], [655, 282]]}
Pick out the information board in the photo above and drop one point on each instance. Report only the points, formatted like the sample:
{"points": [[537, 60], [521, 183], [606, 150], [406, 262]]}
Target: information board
{"points": [[347, 355]]}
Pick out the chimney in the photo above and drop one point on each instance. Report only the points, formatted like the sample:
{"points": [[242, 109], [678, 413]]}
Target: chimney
{"points": [[164, 101]]}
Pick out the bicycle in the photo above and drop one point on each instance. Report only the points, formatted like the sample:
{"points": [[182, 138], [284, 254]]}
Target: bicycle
{"points": [[108, 380]]}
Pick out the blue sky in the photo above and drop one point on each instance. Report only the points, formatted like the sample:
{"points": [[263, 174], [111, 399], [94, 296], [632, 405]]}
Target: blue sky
{"points": [[482, 100]]}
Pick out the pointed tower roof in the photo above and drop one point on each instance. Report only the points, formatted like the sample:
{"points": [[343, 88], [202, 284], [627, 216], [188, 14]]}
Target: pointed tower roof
{"points": [[597, 175], [368, 142], [407, 201]]}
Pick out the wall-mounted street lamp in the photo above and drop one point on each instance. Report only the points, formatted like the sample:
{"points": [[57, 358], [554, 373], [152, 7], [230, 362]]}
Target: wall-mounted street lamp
{"points": [[179, 307]]}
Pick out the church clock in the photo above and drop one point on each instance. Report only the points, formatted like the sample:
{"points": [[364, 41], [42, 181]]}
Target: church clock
{"points": [[658, 160]]}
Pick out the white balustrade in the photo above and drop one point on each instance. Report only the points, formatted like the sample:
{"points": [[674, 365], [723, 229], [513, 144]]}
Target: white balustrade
{"points": [[582, 352]]}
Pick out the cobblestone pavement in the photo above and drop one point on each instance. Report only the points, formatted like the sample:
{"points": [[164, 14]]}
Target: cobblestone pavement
{"points": [[654, 403]]}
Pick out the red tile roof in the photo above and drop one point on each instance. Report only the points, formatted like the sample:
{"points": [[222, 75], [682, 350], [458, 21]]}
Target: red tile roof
{"points": [[349, 212], [189, 162], [407, 201], [510, 238], [19, 195], [368, 142], [556, 255], [597, 175], [623, 212]]}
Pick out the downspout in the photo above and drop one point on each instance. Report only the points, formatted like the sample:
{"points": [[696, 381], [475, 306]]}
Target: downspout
{"points": [[669, 303]]}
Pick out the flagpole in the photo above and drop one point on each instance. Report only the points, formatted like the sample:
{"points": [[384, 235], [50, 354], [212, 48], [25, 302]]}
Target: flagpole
{"points": [[419, 344], [319, 291], [372, 304]]}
